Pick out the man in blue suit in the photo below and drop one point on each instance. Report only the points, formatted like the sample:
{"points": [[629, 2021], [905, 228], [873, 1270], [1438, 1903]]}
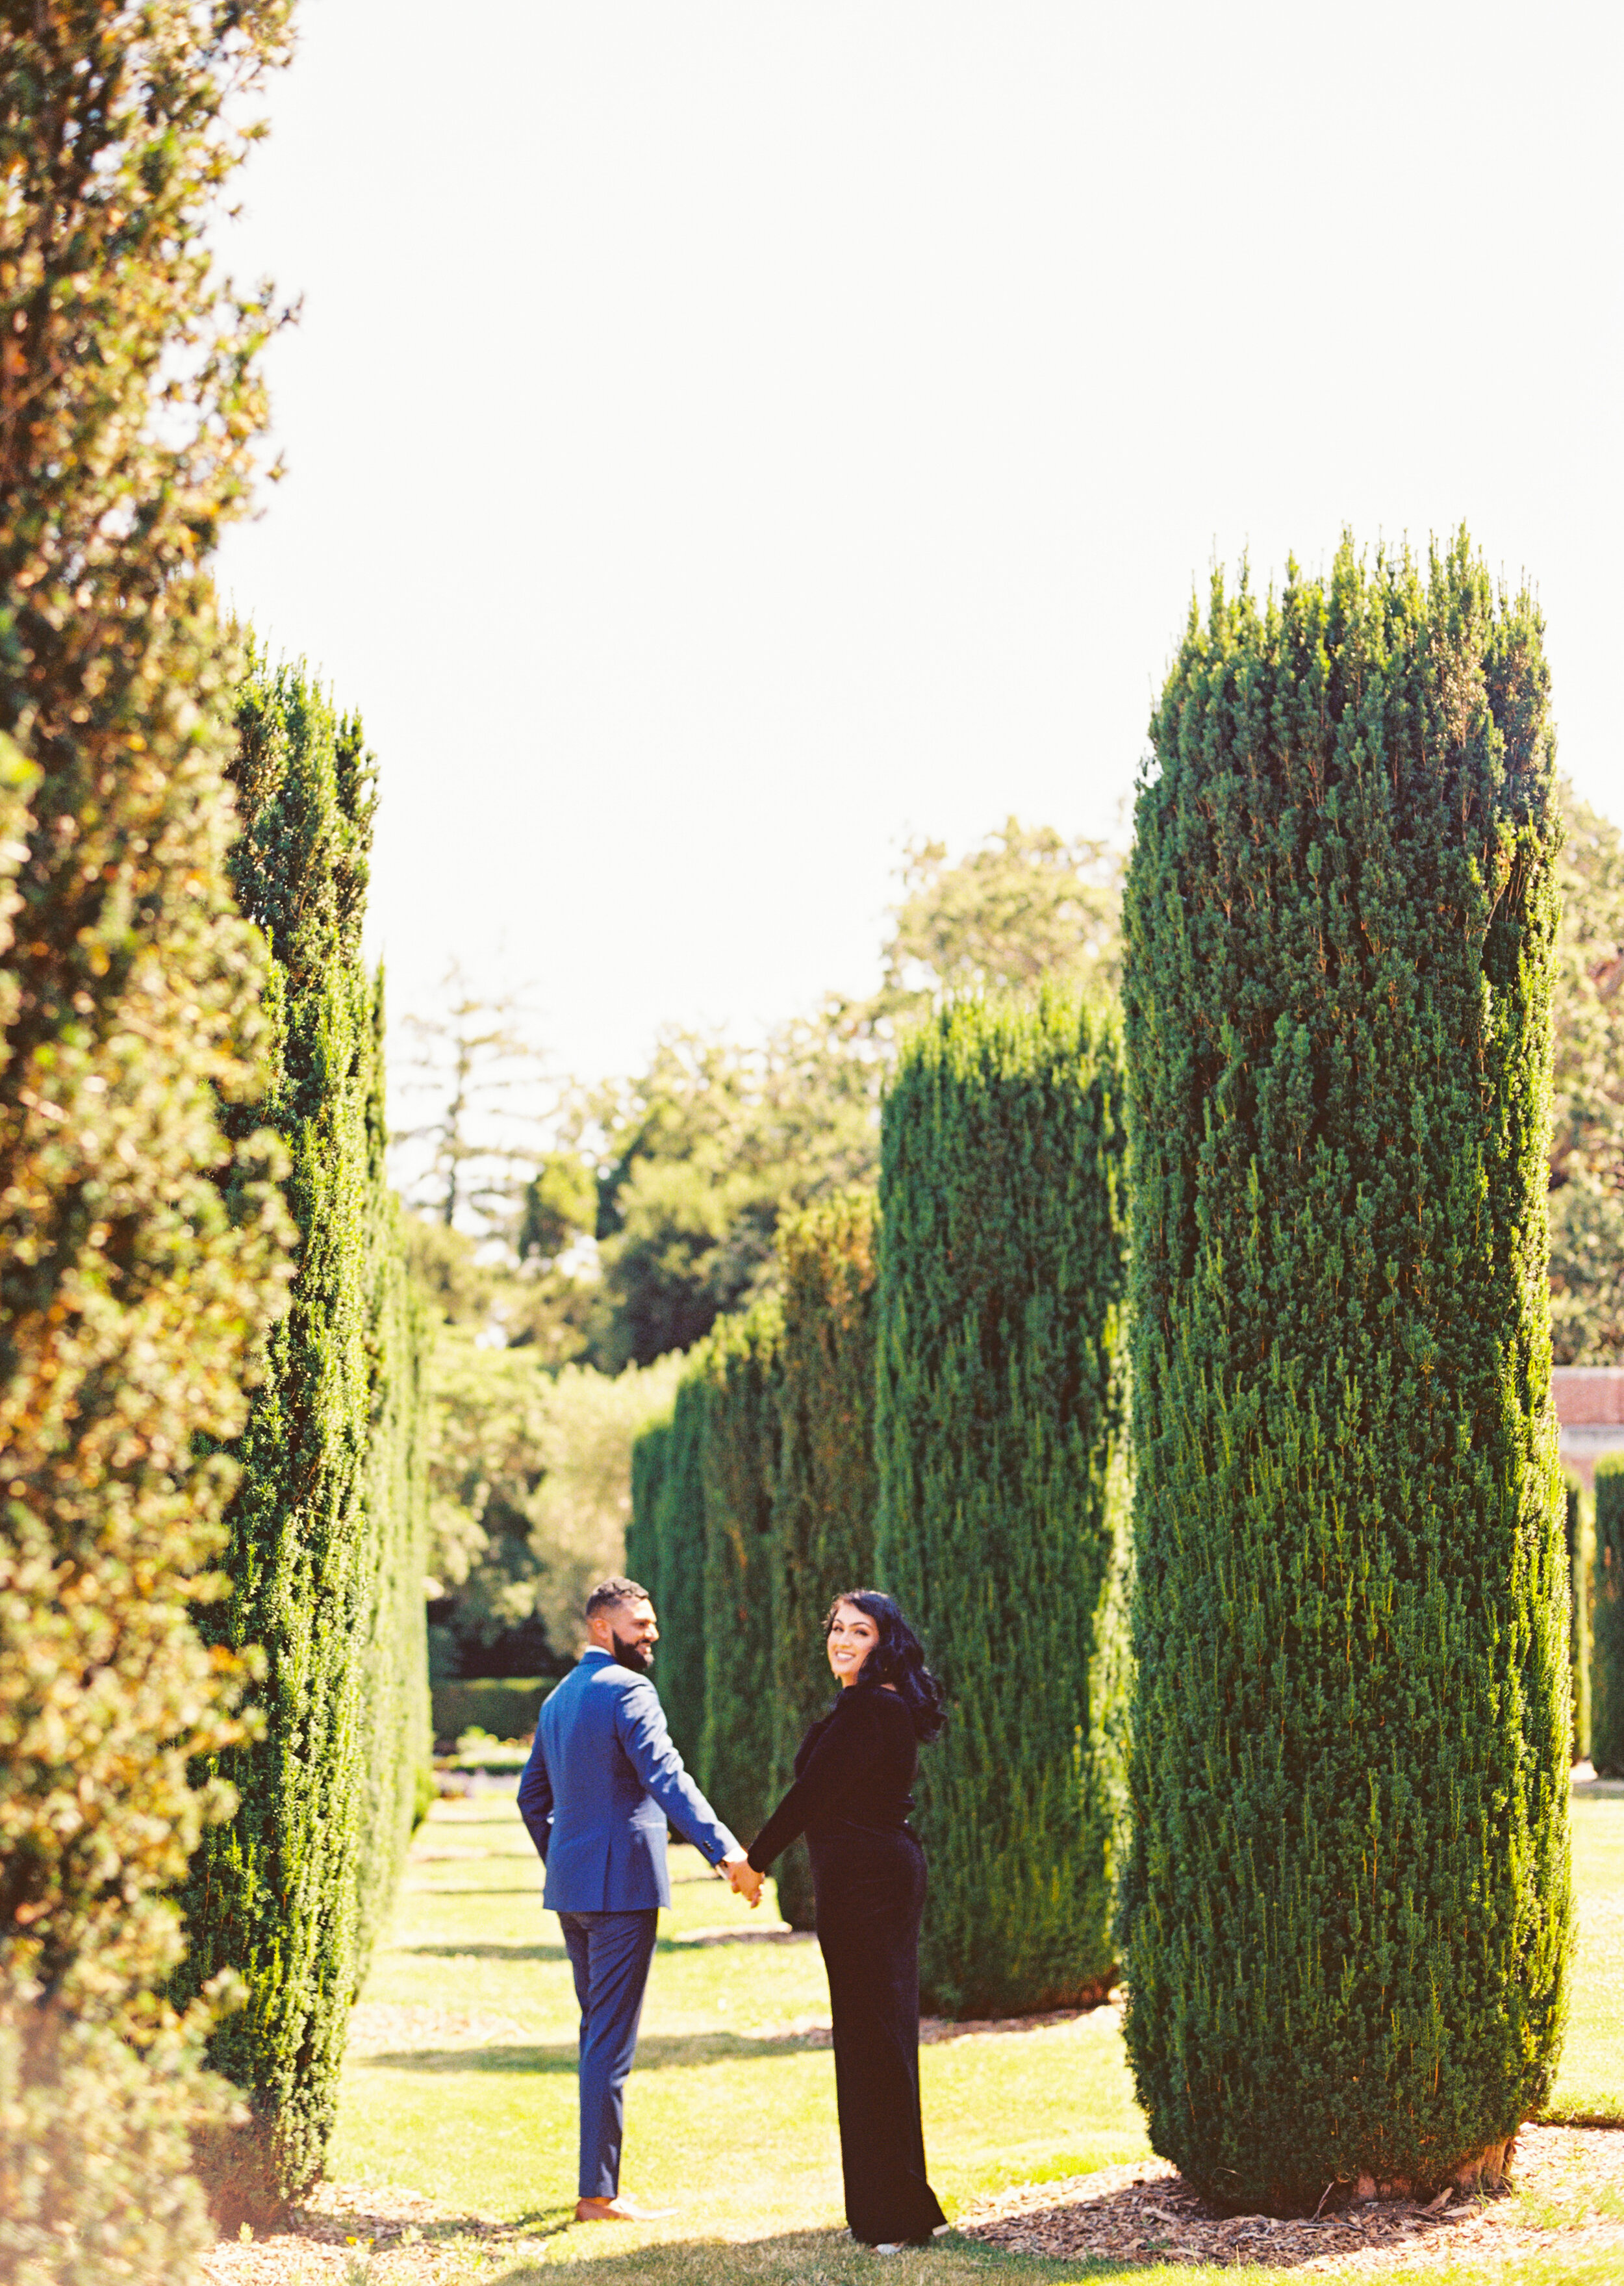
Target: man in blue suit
{"points": [[602, 1780]]}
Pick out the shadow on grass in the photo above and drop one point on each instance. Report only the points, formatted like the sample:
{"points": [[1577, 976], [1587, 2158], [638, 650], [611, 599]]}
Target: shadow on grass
{"points": [[656, 2052], [529, 1891], [514, 1953], [700, 1942], [824, 2258]]}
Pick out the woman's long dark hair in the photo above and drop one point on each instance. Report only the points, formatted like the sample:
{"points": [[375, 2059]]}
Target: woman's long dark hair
{"points": [[896, 1658]]}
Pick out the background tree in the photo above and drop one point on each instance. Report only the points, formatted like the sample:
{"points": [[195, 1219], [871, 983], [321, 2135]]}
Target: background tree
{"points": [[1002, 1525], [316, 1549], [698, 1160], [1026, 905], [1347, 1899], [822, 1537], [1587, 1146], [740, 1466], [528, 1473], [476, 1060], [139, 1250], [581, 1507]]}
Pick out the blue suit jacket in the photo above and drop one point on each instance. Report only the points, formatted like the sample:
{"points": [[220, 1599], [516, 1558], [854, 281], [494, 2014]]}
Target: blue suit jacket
{"points": [[602, 1780]]}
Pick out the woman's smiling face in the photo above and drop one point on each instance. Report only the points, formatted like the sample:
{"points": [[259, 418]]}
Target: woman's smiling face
{"points": [[852, 1637]]}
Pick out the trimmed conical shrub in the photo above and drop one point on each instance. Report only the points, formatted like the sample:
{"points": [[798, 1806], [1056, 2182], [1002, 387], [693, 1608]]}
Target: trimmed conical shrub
{"points": [[1607, 1621], [824, 1513], [679, 1566], [999, 1438], [739, 1462], [1347, 1902], [321, 1562]]}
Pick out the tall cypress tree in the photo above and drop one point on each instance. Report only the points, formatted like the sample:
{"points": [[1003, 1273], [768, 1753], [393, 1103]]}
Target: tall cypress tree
{"points": [[317, 1565], [999, 1438], [1347, 1902], [680, 1566], [1607, 1621], [822, 1537], [739, 1464]]}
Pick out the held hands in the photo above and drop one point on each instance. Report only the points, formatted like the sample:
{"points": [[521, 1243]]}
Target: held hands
{"points": [[743, 1878]]}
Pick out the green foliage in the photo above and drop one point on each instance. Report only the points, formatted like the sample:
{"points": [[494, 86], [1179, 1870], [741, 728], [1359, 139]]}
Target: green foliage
{"points": [[999, 1441], [702, 1157], [650, 1454], [1579, 1533], [579, 1509], [679, 1568], [530, 1477], [1026, 905], [139, 1253], [1347, 1900], [739, 1464], [1587, 1146], [822, 1537], [1607, 1621], [326, 1546], [396, 1739]]}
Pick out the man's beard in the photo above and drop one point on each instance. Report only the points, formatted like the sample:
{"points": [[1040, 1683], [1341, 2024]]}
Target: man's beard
{"points": [[639, 1657]]}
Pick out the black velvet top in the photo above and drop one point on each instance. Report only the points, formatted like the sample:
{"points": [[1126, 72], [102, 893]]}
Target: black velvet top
{"points": [[853, 1774]]}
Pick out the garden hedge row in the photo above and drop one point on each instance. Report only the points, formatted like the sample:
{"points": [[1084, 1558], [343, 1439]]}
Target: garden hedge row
{"points": [[326, 1546]]}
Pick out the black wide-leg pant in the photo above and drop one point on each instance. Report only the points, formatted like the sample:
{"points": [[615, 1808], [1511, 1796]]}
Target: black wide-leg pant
{"points": [[870, 1898]]}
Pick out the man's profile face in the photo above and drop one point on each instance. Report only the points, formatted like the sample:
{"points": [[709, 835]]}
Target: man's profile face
{"points": [[635, 1632]]}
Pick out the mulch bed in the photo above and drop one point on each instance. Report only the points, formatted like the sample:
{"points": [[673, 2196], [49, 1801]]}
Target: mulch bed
{"points": [[1147, 2213], [389, 2237]]}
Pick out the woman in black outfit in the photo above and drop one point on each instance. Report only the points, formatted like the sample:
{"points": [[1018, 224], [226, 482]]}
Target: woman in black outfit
{"points": [[851, 1798]]}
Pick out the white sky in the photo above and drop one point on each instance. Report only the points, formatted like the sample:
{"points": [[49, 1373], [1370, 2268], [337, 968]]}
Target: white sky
{"points": [[725, 440]]}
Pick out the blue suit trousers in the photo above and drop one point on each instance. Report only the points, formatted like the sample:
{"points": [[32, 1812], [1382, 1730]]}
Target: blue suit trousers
{"points": [[610, 1954]]}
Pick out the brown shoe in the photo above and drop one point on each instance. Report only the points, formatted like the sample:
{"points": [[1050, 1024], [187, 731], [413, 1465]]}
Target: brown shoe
{"points": [[620, 2209]]}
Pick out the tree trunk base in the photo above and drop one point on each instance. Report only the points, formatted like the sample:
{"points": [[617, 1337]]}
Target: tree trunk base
{"points": [[1485, 2170]]}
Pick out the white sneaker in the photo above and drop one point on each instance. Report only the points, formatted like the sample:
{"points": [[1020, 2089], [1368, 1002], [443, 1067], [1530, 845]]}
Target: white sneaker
{"points": [[889, 2246]]}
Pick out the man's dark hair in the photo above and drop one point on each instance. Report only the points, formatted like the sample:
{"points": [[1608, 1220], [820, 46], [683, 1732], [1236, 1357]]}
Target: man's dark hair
{"points": [[613, 1591]]}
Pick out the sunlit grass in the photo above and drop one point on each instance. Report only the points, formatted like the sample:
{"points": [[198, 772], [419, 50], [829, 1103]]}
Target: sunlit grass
{"points": [[462, 2082]]}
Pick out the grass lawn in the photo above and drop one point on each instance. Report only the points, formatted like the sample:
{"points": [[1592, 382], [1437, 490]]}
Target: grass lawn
{"points": [[461, 2082]]}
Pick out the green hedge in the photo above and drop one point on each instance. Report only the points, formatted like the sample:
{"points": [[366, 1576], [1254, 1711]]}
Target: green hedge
{"points": [[650, 1453], [822, 1537], [740, 1465], [1347, 1902], [1607, 1621], [505, 1707], [999, 1436], [1579, 1532], [679, 1566], [326, 1547]]}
